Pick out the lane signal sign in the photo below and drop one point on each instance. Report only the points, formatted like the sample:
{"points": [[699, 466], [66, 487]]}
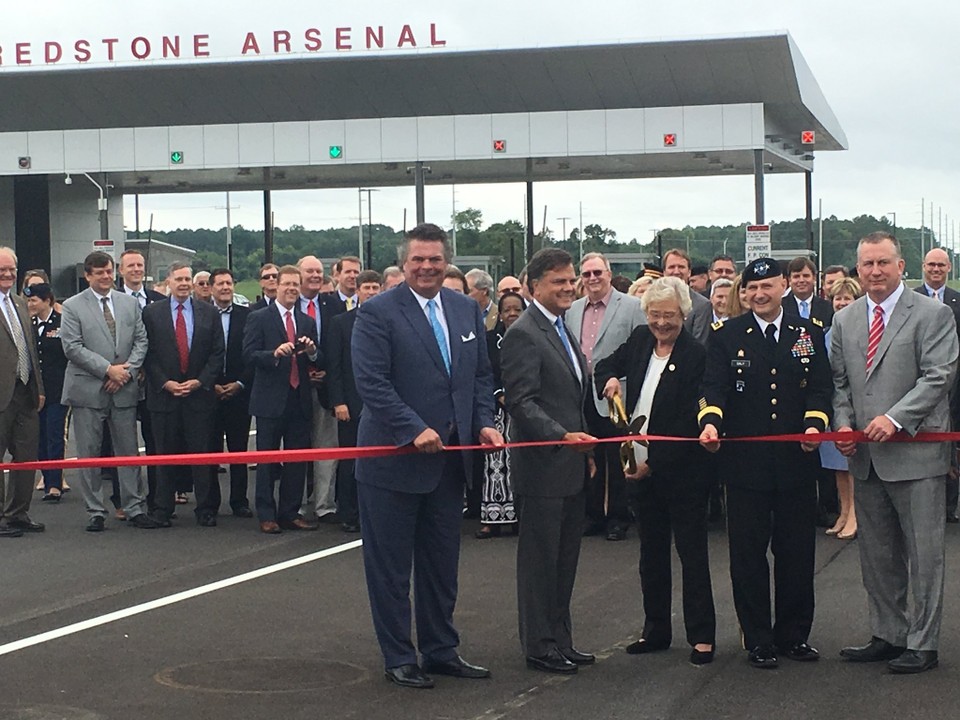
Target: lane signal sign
{"points": [[499, 146], [176, 157], [336, 152], [669, 139], [808, 137]]}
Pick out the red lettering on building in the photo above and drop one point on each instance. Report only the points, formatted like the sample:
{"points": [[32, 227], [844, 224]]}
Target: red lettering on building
{"points": [[406, 37], [171, 46], [312, 36], [23, 53], [434, 41], [140, 48], [343, 39], [201, 46], [110, 42], [250, 44], [281, 38], [81, 50], [375, 37], [52, 52]]}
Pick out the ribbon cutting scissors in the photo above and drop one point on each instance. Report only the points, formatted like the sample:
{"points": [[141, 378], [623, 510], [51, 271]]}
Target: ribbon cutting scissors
{"points": [[620, 419]]}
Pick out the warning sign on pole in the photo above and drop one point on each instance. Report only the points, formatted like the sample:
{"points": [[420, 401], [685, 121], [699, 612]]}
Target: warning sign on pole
{"points": [[107, 246], [757, 242]]}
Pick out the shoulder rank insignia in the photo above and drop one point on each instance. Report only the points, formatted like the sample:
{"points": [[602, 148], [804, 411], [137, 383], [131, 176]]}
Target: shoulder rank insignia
{"points": [[817, 322], [717, 325]]}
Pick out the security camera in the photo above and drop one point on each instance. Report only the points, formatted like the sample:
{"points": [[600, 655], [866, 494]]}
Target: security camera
{"points": [[68, 180]]}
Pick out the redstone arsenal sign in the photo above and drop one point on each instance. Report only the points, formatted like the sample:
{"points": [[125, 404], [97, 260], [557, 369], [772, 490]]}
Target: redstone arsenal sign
{"points": [[171, 47]]}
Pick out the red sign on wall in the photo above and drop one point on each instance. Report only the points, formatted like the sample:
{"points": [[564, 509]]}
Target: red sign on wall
{"points": [[669, 139], [499, 146], [808, 137]]}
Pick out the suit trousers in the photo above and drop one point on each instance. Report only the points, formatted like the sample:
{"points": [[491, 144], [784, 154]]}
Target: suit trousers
{"points": [[419, 532], [678, 503], [184, 429], [19, 434], [322, 500], [231, 422], [548, 552], [292, 430], [901, 540], [88, 429], [346, 477], [784, 521], [607, 491]]}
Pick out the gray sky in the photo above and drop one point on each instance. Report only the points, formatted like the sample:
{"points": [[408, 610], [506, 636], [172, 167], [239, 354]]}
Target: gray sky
{"points": [[885, 67]]}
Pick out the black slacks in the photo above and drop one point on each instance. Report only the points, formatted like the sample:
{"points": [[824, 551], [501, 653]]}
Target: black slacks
{"points": [[184, 429], [232, 422], [607, 497], [346, 474], [292, 430]]}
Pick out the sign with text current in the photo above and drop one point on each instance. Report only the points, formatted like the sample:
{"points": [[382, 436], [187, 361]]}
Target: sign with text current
{"points": [[757, 242]]}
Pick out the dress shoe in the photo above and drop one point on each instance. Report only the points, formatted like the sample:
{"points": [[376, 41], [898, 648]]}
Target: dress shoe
{"points": [[410, 676], [952, 517], [7, 531], [552, 662], [162, 521], [120, 515], [701, 657], [348, 527], [96, 524], [143, 522], [457, 667], [577, 657], [328, 519], [270, 528], [801, 652], [243, 512], [297, 524], [763, 657], [617, 533], [644, 646], [26, 525], [877, 650], [207, 520], [914, 661]]}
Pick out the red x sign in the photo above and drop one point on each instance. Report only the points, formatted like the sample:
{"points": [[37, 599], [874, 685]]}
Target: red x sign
{"points": [[808, 137], [499, 146], [669, 139]]}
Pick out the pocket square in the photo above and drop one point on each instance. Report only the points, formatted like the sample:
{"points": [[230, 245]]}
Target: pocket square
{"points": [[468, 338]]}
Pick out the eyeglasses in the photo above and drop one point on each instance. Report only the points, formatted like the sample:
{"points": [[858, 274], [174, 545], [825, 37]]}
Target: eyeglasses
{"points": [[592, 273], [202, 283], [929, 264], [269, 276], [658, 316]]}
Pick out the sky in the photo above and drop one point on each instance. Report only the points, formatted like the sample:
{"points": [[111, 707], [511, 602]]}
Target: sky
{"points": [[885, 67]]}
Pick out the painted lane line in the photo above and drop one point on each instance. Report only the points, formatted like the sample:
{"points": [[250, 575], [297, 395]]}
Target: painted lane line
{"points": [[173, 599]]}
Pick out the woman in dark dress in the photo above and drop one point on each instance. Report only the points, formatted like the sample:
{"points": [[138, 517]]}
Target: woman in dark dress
{"points": [[663, 365], [53, 366], [496, 506]]}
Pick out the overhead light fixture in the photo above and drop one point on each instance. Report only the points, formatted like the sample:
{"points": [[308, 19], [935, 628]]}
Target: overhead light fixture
{"points": [[68, 180]]}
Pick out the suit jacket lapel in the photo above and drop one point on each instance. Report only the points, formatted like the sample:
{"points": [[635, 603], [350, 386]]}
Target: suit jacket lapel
{"points": [[553, 337], [414, 314], [97, 309], [898, 318]]}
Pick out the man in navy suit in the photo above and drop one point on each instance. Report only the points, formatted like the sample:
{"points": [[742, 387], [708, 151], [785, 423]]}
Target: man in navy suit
{"points": [[422, 370], [278, 344]]}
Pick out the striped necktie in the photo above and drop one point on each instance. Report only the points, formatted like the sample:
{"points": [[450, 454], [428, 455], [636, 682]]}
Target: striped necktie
{"points": [[876, 332]]}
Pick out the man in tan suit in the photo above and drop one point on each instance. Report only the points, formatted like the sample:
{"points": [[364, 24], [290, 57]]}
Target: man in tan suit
{"points": [[481, 289], [21, 397]]}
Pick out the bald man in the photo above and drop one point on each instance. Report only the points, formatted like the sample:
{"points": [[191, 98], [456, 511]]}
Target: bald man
{"points": [[508, 284]]}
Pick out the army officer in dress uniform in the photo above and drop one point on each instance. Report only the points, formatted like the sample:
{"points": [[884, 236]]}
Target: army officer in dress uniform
{"points": [[768, 374]]}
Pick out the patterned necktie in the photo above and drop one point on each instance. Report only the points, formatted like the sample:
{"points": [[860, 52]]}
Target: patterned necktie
{"points": [[568, 347], [771, 333], [805, 309], [438, 333], [291, 337], [183, 346], [23, 356], [349, 303], [876, 332], [141, 298], [108, 318]]}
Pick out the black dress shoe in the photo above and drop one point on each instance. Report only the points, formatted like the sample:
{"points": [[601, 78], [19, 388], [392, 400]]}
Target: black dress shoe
{"points": [[7, 531], [644, 646], [914, 661], [410, 676], [96, 524], [877, 650], [701, 657], [243, 512], [763, 657], [617, 533], [801, 652], [457, 667], [207, 520], [350, 527], [577, 657], [953, 517], [552, 662], [26, 525], [143, 522]]}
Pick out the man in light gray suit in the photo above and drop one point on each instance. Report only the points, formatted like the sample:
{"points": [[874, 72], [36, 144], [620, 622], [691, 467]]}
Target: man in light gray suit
{"points": [[894, 358], [601, 321], [676, 263], [105, 343]]}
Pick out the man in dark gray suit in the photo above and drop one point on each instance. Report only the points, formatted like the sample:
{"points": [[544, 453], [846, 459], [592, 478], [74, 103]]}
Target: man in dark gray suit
{"points": [[546, 381], [894, 356], [105, 344]]}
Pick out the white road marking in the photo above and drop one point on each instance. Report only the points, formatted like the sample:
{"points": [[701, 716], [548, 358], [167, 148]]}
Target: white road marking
{"points": [[172, 599]]}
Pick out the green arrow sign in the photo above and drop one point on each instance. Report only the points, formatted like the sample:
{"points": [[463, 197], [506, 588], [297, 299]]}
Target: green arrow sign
{"points": [[176, 157], [336, 152]]}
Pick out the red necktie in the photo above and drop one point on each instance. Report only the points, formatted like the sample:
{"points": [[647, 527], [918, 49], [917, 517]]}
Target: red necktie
{"points": [[183, 347], [291, 337], [311, 309], [876, 332]]}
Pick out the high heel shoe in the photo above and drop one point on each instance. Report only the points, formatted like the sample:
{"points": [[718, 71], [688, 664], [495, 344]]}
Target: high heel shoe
{"points": [[848, 535]]}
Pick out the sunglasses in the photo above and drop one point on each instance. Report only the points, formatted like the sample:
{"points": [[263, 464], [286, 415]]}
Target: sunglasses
{"points": [[270, 276], [591, 273]]}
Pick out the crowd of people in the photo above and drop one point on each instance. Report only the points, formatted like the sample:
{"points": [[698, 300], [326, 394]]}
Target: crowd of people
{"points": [[560, 354]]}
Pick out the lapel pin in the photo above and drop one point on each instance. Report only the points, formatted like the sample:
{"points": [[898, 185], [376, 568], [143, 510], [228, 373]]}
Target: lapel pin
{"points": [[671, 367]]}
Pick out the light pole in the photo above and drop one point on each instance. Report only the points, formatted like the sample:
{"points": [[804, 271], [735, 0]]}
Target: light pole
{"points": [[368, 256], [894, 221], [564, 221], [102, 208]]}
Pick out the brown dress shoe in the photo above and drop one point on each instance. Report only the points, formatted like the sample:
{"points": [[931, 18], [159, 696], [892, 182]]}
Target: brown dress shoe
{"points": [[297, 524], [270, 527]]}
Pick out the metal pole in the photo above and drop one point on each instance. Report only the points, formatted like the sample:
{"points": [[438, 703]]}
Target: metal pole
{"points": [[418, 186], [136, 208], [581, 232], [369, 228], [229, 236], [529, 250], [453, 232], [808, 205], [267, 228], [923, 206], [820, 224], [563, 220], [758, 186], [360, 222]]}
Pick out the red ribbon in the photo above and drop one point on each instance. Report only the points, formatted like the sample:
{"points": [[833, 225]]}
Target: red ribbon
{"points": [[351, 453]]}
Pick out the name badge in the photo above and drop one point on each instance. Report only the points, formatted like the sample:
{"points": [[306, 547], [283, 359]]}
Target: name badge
{"points": [[740, 363]]}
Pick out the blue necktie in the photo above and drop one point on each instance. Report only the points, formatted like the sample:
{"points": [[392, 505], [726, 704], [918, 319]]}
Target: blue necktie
{"points": [[438, 332], [805, 309], [566, 344]]}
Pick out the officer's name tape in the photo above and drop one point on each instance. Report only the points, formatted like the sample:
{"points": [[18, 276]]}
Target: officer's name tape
{"points": [[353, 453]]}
